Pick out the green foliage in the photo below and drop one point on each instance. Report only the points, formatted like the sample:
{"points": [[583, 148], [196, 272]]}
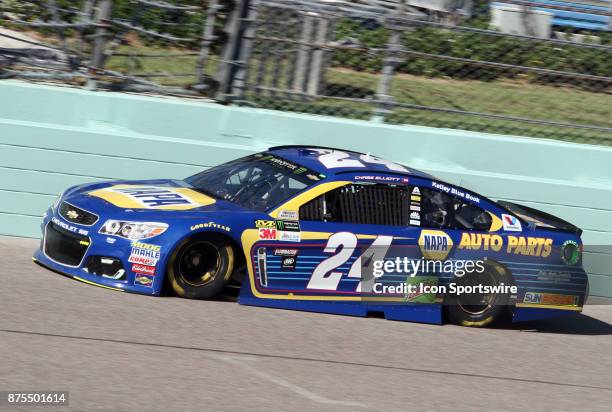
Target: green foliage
{"points": [[430, 40], [474, 46], [177, 23]]}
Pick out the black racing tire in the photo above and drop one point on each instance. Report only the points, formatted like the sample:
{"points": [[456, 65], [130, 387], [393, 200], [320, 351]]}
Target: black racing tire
{"points": [[200, 267], [476, 310]]}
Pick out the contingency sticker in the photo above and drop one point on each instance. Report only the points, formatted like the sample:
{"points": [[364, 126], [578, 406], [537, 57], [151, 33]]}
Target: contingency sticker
{"points": [[288, 230], [143, 270], [144, 254], [144, 280], [288, 258], [511, 223], [288, 214], [153, 197], [550, 299], [415, 207]]}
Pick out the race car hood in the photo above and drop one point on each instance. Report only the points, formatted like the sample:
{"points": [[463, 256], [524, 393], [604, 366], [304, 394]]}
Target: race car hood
{"points": [[145, 196]]}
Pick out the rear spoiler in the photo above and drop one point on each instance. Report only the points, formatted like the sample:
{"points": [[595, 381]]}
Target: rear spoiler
{"points": [[540, 219]]}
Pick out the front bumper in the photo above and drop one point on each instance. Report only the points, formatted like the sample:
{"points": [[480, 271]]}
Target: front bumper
{"points": [[72, 250]]}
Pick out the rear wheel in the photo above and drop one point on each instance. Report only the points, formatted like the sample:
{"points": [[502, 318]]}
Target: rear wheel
{"points": [[201, 267], [479, 309]]}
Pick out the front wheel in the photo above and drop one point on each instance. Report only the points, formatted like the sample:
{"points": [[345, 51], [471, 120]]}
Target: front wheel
{"points": [[479, 309], [200, 268]]}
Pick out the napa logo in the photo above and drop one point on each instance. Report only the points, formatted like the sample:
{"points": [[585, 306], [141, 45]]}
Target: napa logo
{"points": [[435, 244], [152, 197]]}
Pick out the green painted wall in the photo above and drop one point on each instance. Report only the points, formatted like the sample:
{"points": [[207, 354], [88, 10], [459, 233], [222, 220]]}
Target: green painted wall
{"points": [[53, 137]]}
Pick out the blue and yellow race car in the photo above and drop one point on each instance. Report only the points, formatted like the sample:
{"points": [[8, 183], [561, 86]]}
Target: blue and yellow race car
{"points": [[324, 230]]}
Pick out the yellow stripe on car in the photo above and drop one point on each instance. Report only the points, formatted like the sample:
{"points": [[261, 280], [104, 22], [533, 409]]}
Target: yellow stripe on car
{"points": [[96, 284], [562, 307], [305, 197], [496, 223]]}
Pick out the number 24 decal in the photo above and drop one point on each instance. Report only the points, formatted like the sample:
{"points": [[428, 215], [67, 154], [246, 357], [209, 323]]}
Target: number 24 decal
{"points": [[347, 241], [335, 158]]}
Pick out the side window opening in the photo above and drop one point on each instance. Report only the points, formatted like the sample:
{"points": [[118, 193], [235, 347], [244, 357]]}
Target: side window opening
{"points": [[439, 210], [375, 204], [436, 209]]}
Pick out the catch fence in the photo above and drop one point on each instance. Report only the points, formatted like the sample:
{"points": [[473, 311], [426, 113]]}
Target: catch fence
{"points": [[379, 60]]}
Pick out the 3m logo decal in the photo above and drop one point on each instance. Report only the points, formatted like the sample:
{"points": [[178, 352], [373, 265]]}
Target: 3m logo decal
{"points": [[435, 244], [267, 234]]}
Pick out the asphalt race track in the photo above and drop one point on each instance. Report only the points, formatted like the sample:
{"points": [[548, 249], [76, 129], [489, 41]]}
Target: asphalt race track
{"points": [[115, 351]]}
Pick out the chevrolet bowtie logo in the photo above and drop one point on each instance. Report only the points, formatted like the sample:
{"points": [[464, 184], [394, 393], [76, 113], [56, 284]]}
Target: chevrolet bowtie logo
{"points": [[72, 214]]}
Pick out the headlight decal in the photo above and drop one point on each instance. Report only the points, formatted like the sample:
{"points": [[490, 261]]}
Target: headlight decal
{"points": [[133, 230]]}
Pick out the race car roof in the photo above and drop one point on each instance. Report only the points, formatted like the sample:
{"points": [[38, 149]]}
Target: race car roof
{"points": [[308, 156]]}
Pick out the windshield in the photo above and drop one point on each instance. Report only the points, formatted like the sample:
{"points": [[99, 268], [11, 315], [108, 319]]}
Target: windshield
{"points": [[257, 182]]}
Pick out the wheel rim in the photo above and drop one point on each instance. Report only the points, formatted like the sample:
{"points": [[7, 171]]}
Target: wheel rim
{"points": [[477, 303], [198, 264]]}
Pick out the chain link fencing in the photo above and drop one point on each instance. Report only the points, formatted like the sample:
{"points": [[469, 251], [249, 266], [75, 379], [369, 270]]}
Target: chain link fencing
{"points": [[378, 60], [124, 45], [395, 68]]}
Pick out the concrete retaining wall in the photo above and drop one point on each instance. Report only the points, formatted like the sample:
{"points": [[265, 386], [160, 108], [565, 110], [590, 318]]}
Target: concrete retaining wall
{"points": [[53, 137]]}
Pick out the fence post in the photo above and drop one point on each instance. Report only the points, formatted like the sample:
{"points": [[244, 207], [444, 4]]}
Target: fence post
{"points": [[103, 15], [55, 18], [231, 71], [248, 35], [383, 97], [299, 81], [316, 75], [311, 56], [84, 18], [207, 40]]}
